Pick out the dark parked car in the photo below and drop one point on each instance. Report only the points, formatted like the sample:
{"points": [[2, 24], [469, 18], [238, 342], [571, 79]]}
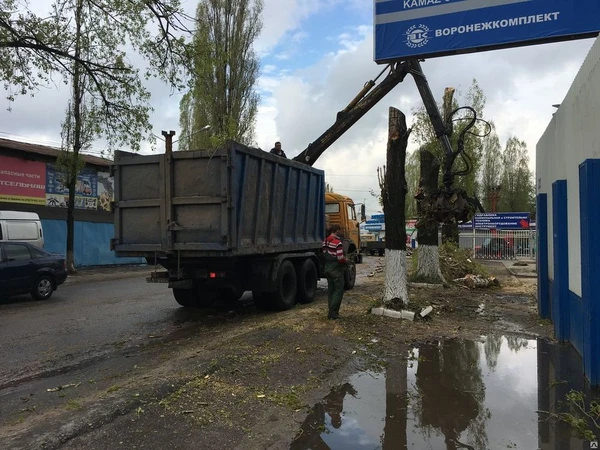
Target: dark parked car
{"points": [[25, 268]]}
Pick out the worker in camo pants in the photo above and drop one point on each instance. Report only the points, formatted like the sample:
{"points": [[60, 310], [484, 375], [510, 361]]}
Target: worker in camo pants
{"points": [[335, 268]]}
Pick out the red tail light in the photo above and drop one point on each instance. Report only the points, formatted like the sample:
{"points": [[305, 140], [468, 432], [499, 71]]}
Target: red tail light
{"points": [[217, 274]]}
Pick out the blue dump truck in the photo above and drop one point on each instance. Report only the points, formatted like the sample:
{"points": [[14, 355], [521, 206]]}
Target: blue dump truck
{"points": [[225, 221]]}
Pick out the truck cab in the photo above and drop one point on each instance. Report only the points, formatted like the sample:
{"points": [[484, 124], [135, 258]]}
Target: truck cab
{"points": [[341, 210]]}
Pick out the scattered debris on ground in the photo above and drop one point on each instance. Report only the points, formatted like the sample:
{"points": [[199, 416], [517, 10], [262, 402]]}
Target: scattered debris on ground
{"points": [[474, 281], [458, 262]]}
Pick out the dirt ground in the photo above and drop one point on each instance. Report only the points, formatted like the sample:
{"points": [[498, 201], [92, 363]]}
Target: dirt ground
{"points": [[245, 379]]}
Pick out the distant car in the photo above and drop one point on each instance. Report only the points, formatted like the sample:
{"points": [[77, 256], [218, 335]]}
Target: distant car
{"points": [[494, 248], [25, 268]]}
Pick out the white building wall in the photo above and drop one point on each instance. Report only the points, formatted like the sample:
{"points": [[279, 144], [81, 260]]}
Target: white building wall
{"points": [[572, 136]]}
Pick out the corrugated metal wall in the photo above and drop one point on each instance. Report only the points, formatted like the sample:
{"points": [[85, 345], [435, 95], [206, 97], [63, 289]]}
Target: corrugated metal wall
{"points": [[568, 190], [92, 242]]}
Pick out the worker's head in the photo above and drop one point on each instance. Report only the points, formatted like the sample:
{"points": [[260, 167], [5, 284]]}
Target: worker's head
{"points": [[278, 145], [335, 229]]}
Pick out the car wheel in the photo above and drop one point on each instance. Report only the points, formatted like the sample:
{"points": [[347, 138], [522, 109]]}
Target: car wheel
{"points": [[43, 288]]}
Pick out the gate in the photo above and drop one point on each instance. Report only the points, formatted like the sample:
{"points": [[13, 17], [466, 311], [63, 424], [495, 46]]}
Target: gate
{"points": [[503, 244]]}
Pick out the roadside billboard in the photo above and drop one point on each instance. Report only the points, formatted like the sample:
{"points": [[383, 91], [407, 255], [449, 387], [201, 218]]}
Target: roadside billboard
{"points": [[407, 29], [106, 191], [22, 181], [86, 189]]}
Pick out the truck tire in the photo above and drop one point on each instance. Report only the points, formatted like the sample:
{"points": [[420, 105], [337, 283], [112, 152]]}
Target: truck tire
{"points": [[381, 252], [284, 296], [186, 297], [307, 282], [350, 276]]}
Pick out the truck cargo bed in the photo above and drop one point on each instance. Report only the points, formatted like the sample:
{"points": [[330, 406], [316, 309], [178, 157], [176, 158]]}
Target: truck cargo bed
{"points": [[233, 201]]}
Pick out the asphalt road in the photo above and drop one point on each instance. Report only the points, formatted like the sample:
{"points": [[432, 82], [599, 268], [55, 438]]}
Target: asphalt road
{"points": [[80, 322], [88, 321]]}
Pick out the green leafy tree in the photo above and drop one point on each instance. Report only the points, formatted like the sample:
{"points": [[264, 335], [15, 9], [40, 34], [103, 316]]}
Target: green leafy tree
{"points": [[224, 75], [425, 138], [412, 184], [491, 169], [517, 179], [34, 49], [89, 45]]}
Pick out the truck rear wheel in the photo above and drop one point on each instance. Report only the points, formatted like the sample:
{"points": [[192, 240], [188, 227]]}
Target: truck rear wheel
{"points": [[284, 296], [192, 298], [186, 297], [307, 282], [350, 276]]}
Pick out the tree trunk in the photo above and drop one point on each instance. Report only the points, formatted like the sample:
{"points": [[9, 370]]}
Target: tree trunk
{"points": [[394, 201], [74, 160], [449, 230], [428, 255]]}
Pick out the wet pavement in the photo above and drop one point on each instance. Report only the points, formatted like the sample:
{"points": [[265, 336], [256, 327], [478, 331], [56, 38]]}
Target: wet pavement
{"points": [[453, 394]]}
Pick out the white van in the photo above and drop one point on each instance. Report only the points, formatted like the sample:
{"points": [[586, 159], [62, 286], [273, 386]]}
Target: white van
{"points": [[21, 226]]}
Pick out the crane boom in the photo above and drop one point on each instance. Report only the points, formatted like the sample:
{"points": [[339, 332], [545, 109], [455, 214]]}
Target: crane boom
{"points": [[357, 108]]}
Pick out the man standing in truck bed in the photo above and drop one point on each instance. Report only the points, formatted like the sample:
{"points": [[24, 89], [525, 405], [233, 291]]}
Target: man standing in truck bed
{"points": [[335, 267], [277, 150]]}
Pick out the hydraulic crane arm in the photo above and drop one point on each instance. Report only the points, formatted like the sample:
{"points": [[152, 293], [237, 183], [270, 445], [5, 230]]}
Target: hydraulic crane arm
{"points": [[357, 108]]}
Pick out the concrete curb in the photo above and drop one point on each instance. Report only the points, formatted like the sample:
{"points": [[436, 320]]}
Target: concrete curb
{"points": [[522, 275], [408, 315]]}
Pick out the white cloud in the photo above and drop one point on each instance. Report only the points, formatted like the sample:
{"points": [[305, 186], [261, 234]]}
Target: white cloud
{"points": [[299, 36], [280, 17], [520, 86]]}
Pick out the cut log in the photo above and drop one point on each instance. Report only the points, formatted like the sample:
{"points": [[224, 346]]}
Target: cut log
{"points": [[474, 281]]}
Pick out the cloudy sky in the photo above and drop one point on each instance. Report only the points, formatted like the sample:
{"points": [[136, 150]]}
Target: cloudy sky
{"points": [[316, 55]]}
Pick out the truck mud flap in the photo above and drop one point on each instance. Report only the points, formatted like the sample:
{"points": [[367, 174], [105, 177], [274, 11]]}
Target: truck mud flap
{"points": [[181, 284], [158, 277]]}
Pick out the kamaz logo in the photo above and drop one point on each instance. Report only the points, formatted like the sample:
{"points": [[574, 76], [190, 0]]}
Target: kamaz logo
{"points": [[416, 36]]}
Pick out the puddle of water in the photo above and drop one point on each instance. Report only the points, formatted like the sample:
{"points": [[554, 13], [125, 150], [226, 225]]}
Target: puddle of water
{"points": [[450, 395]]}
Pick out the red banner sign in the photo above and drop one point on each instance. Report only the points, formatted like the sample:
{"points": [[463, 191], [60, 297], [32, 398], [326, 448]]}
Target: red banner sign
{"points": [[22, 181]]}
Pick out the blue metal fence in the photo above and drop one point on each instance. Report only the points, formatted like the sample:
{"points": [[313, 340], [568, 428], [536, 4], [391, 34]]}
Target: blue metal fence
{"points": [[92, 242]]}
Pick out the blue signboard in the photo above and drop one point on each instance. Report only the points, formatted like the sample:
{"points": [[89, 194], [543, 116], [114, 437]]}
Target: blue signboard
{"points": [[427, 28], [502, 221], [375, 221], [378, 217]]}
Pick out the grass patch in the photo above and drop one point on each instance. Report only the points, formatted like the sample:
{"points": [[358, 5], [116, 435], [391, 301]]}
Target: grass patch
{"points": [[72, 405]]}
